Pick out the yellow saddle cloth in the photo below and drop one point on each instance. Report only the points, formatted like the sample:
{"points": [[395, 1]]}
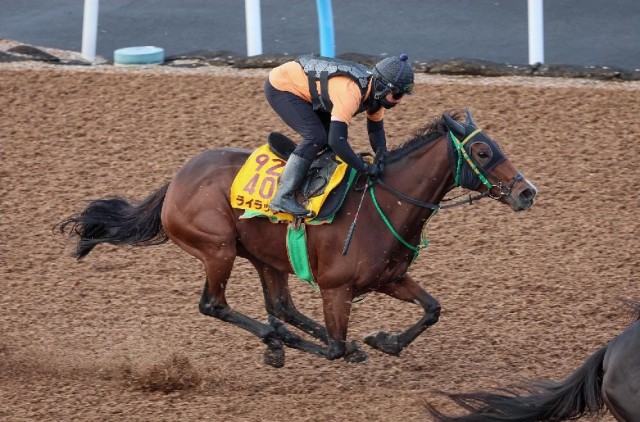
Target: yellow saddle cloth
{"points": [[257, 181]]}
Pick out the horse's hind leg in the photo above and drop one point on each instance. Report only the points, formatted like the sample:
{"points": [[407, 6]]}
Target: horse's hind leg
{"points": [[280, 306], [279, 303], [213, 303], [408, 290]]}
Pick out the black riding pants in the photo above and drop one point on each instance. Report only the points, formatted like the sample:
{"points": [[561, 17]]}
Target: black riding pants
{"points": [[299, 115]]}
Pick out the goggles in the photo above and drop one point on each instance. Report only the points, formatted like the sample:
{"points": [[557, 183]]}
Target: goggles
{"points": [[396, 93], [406, 89]]}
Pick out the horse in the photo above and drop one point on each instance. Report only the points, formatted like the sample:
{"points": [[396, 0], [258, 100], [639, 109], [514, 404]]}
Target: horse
{"points": [[609, 377], [193, 211]]}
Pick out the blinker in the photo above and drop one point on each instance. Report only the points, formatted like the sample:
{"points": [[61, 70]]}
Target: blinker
{"points": [[469, 176]]}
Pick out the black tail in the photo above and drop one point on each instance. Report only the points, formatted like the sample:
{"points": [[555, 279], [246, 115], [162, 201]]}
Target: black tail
{"points": [[634, 309], [578, 395], [117, 221]]}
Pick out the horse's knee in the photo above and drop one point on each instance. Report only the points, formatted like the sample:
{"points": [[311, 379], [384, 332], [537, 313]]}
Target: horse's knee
{"points": [[432, 310]]}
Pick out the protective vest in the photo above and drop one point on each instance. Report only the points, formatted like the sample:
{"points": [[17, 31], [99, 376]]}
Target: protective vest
{"points": [[322, 68]]}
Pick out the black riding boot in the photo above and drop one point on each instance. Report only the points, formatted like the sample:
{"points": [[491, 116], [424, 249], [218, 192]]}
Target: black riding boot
{"points": [[292, 176]]}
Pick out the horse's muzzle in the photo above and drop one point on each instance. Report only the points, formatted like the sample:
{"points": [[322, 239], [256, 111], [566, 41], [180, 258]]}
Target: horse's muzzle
{"points": [[522, 195]]}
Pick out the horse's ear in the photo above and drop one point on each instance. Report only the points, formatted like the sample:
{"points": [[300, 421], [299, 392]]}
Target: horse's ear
{"points": [[469, 118], [453, 125]]}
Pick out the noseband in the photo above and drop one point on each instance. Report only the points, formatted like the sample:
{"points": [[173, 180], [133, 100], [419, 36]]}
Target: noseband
{"points": [[504, 190]]}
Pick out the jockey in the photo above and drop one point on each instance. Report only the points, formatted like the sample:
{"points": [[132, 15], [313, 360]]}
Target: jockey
{"points": [[317, 97]]}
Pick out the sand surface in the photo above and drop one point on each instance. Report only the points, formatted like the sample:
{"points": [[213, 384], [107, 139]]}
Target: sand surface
{"points": [[118, 336]]}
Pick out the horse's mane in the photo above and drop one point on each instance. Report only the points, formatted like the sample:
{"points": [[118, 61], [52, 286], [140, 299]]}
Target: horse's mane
{"points": [[423, 136]]}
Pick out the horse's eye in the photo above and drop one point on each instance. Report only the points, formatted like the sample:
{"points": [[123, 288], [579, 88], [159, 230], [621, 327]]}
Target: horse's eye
{"points": [[481, 151]]}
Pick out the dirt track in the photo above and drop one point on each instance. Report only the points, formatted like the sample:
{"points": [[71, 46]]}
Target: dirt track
{"points": [[119, 337]]}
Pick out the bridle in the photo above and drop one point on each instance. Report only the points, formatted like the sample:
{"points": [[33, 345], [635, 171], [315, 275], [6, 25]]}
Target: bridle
{"points": [[504, 190]]}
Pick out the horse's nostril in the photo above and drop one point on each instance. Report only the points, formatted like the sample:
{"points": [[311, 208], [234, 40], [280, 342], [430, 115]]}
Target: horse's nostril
{"points": [[528, 194]]}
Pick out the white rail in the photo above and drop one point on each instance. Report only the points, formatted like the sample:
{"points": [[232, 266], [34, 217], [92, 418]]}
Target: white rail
{"points": [[90, 29], [536, 31], [254, 29]]}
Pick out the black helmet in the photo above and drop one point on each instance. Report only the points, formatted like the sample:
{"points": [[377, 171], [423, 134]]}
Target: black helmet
{"points": [[393, 74]]}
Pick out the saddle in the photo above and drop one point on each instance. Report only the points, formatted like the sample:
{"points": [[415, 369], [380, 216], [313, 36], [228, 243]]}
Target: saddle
{"points": [[324, 188], [318, 175]]}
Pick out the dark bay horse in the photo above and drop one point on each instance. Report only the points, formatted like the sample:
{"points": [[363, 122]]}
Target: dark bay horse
{"points": [[193, 210], [610, 376]]}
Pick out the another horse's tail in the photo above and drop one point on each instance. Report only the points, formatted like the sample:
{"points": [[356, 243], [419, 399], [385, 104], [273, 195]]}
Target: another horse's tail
{"points": [[634, 309], [578, 395], [117, 221]]}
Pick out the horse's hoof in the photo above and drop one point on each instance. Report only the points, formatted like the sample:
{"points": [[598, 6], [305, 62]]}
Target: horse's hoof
{"points": [[385, 342], [354, 354], [274, 357]]}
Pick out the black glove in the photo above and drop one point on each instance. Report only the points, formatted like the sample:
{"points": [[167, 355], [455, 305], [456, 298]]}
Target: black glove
{"points": [[374, 170]]}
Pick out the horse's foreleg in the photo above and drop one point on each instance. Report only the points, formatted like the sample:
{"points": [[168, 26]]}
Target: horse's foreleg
{"points": [[280, 306], [351, 354], [336, 304], [291, 315], [408, 290], [293, 340], [279, 303]]}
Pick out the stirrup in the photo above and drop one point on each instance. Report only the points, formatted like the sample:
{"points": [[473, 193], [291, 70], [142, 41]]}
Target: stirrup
{"points": [[307, 213]]}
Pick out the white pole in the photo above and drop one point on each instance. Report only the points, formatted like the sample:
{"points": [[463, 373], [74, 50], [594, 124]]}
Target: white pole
{"points": [[254, 27], [90, 30], [536, 31]]}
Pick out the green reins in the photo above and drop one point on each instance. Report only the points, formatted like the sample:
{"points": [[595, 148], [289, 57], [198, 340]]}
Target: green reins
{"points": [[424, 242]]}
